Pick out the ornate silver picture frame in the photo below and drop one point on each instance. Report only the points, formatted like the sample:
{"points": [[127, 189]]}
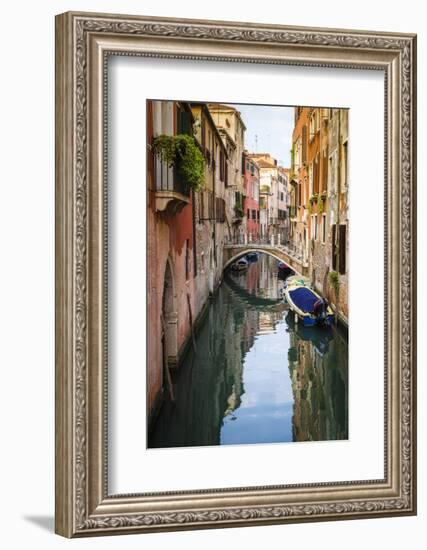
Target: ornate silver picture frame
{"points": [[84, 42]]}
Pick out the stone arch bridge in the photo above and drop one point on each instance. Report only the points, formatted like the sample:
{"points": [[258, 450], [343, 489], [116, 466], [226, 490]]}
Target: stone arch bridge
{"points": [[234, 251]]}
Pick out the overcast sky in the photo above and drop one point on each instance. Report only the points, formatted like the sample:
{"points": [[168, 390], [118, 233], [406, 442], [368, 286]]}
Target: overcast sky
{"points": [[272, 127]]}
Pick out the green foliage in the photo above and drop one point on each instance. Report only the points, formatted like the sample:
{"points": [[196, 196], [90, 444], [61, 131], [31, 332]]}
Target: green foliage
{"points": [[238, 210], [334, 281], [182, 152]]}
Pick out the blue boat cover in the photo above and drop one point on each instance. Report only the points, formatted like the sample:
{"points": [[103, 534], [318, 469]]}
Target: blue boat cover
{"points": [[303, 298]]}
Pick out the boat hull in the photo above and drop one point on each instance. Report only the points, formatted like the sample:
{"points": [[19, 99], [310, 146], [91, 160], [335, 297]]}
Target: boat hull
{"points": [[308, 318]]}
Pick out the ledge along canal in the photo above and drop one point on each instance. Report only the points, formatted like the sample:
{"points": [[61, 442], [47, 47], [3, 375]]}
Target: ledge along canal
{"points": [[256, 377]]}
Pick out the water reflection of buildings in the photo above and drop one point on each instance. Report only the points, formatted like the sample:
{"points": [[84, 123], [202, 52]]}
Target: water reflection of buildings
{"points": [[318, 369], [210, 386], [256, 311]]}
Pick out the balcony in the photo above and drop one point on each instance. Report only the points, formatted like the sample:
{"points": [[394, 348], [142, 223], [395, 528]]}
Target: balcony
{"points": [[172, 193]]}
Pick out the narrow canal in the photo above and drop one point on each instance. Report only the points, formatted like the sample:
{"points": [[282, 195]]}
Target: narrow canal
{"points": [[256, 377]]}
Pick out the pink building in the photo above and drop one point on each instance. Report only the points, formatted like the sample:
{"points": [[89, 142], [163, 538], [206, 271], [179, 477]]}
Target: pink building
{"points": [[170, 250], [251, 203]]}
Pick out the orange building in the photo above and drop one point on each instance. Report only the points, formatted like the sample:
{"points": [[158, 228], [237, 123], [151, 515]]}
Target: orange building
{"points": [[299, 188], [319, 206]]}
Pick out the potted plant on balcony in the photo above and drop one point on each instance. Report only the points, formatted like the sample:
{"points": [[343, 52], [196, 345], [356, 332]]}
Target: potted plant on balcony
{"points": [[182, 152]]}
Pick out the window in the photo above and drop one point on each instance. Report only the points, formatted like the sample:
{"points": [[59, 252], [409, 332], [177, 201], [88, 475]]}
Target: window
{"points": [[312, 125], [324, 171], [184, 122], [220, 210], [248, 214], [339, 248], [304, 144], [334, 247], [345, 163], [315, 227], [316, 175], [254, 214]]}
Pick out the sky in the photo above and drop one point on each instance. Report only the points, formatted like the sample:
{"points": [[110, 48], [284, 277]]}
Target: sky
{"points": [[268, 130]]}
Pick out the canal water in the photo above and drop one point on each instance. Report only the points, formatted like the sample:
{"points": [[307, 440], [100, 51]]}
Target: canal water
{"points": [[255, 376]]}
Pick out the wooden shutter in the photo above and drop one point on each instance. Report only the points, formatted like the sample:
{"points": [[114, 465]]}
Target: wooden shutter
{"points": [[342, 249], [304, 144], [221, 165], [316, 176], [185, 123], [334, 247]]}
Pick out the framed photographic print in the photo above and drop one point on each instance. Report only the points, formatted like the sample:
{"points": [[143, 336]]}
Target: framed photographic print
{"points": [[235, 274]]}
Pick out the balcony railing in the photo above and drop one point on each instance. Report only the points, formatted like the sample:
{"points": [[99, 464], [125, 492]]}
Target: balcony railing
{"points": [[172, 191]]}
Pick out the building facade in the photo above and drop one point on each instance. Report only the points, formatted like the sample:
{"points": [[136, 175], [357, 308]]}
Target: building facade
{"points": [[318, 186], [185, 236], [251, 201], [231, 127], [269, 193]]}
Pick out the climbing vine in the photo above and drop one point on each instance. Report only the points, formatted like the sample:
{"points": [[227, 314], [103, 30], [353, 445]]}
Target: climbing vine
{"points": [[334, 281], [182, 152]]}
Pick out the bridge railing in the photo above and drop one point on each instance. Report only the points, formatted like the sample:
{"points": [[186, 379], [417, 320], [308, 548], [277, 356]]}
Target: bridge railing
{"points": [[298, 253]]}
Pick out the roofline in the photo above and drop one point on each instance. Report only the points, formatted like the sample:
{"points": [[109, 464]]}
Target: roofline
{"points": [[211, 120], [226, 107]]}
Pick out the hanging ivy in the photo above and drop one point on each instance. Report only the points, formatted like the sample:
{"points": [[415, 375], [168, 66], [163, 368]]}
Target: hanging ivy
{"points": [[182, 152]]}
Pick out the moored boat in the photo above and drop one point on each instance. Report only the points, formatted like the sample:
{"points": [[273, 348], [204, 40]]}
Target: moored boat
{"points": [[240, 265], [284, 270], [310, 307]]}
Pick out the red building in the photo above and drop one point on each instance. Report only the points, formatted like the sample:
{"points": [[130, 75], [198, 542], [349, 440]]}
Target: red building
{"points": [[251, 202], [185, 238], [170, 249]]}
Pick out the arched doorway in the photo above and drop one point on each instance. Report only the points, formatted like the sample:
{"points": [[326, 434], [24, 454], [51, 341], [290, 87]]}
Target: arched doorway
{"points": [[169, 318]]}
